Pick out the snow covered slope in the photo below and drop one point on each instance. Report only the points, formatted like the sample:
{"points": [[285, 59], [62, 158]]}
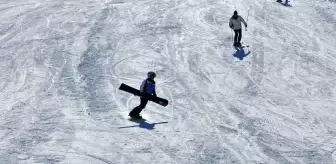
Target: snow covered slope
{"points": [[61, 63]]}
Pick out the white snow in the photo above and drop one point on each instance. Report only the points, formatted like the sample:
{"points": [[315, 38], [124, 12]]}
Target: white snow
{"points": [[61, 63]]}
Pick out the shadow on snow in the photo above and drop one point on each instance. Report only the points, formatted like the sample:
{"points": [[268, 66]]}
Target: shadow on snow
{"points": [[143, 124], [240, 53], [285, 4]]}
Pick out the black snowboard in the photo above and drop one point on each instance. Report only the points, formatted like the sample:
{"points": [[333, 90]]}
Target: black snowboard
{"points": [[136, 92]]}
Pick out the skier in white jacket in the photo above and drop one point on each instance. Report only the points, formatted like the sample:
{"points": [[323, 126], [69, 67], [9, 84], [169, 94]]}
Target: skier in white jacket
{"points": [[235, 24]]}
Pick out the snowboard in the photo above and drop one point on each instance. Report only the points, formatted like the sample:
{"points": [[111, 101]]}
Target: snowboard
{"points": [[136, 92]]}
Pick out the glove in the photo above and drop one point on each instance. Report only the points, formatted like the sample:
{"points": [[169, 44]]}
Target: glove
{"points": [[245, 26], [231, 26]]}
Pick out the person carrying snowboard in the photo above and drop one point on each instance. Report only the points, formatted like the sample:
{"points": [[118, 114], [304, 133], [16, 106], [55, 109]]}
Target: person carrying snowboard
{"points": [[147, 87], [235, 24]]}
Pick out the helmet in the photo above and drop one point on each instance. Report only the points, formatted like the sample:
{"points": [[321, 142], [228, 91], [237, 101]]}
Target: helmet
{"points": [[151, 74], [235, 13]]}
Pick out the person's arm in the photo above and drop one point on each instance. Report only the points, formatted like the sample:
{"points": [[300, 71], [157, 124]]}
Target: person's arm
{"points": [[154, 92], [231, 24], [242, 20], [143, 87]]}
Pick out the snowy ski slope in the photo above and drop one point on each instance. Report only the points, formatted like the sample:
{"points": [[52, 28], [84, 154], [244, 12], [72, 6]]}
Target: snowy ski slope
{"points": [[61, 63]]}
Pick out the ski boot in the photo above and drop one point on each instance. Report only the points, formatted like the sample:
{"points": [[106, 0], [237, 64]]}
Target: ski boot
{"points": [[136, 116]]}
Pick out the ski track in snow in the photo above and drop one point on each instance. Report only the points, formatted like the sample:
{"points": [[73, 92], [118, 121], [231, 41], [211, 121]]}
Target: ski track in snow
{"points": [[62, 63]]}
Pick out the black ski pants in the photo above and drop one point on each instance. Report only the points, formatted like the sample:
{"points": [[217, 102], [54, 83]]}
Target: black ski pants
{"points": [[136, 111], [238, 35]]}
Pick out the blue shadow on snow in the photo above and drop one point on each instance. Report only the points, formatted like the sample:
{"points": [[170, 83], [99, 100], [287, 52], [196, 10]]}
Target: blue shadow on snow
{"points": [[143, 124], [286, 4], [240, 53]]}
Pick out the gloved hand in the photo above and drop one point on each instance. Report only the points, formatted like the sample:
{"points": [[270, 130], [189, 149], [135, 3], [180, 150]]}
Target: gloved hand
{"points": [[245, 26]]}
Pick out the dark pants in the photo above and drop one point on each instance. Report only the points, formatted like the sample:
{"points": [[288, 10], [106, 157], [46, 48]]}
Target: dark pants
{"points": [[238, 35], [136, 111]]}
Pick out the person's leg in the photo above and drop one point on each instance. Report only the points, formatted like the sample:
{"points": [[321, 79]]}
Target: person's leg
{"points": [[236, 36], [240, 35], [136, 111], [142, 105]]}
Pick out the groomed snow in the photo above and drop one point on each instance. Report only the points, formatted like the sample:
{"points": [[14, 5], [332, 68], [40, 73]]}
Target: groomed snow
{"points": [[61, 63]]}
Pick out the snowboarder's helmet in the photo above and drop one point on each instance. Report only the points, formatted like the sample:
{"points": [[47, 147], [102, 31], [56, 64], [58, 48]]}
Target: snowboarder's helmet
{"points": [[235, 13], [151, 74]]}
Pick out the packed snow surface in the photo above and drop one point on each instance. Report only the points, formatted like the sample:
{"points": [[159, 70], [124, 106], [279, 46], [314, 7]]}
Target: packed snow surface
{"points": [[271, 102]]}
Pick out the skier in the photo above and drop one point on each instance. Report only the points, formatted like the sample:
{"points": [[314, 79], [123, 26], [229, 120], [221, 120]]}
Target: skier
{"points": [[147, 87], [235, 24]]}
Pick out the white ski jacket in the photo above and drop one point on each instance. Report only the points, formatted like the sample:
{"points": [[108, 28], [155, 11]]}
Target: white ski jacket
{"points": [[235, 24]]}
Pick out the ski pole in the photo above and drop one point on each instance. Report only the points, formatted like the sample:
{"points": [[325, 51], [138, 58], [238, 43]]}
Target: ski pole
{"points": [[248, 14], [232, 36]]}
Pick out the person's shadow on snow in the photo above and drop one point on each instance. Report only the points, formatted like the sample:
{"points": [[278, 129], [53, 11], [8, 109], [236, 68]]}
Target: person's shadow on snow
{"points": [[285, 4], [143, 124], [240, 53]]}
